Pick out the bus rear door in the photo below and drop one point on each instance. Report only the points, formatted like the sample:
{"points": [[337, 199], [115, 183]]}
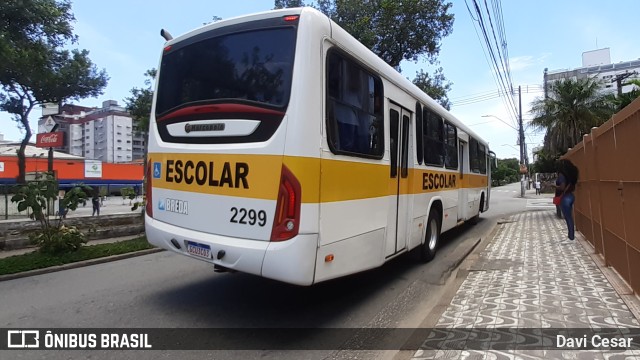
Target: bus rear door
{"points": [[398, 215]]}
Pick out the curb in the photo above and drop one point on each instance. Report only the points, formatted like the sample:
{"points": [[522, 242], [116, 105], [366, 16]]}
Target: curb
{"points": [[78, 264]]}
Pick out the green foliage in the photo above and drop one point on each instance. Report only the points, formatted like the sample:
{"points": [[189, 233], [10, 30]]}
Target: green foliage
{"points": [[621, 101], [139, 204], [436, 86], [571, 109], [506, 172], [394, 30], [282, 4], [139, 103], [128, 193], [35, 196], [58, 240], [35, 66], [545, 163], [40, 260]]}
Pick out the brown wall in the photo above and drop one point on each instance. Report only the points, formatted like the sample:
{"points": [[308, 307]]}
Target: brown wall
{"points": [[607, 207]]}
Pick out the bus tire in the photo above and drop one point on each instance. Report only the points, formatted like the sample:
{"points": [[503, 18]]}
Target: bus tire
{"points": [[476, 219], [431, 237]]}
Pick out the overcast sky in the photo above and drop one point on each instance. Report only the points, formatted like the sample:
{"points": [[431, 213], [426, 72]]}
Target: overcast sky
{"points": [[123, 37]]}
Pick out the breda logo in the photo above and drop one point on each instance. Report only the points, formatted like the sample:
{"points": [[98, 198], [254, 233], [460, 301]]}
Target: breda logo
{"points": [[174, 206]]}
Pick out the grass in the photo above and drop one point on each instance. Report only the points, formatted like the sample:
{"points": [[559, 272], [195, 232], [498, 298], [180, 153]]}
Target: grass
{"points": [[38, 260]]}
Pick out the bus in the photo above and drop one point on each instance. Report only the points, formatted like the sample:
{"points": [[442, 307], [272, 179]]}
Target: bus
{"points": [[282, 147]]}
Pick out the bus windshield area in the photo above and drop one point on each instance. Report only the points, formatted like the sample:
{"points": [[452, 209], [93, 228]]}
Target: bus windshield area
{"points": [[254, 65]]}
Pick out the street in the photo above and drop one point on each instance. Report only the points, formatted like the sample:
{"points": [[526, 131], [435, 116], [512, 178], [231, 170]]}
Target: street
{"points": [[164, 290]]}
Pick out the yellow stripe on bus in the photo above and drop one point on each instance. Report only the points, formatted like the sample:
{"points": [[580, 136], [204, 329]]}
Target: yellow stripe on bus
{"points": [[321, 180], [250, 176]]}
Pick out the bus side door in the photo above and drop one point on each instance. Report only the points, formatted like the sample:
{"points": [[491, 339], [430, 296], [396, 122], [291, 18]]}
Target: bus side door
{"points": [[398, 215], [463, 192]]}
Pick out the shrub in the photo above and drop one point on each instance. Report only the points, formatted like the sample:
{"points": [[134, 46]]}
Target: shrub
{"points": [[58, 240], [53, 236]]}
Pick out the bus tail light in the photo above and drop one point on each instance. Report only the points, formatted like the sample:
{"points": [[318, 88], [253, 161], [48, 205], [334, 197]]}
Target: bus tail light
{"points": [[286, 220], [147, 191]]}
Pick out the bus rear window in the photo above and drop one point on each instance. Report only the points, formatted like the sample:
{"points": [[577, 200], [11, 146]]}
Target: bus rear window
{"points": [[252, 65]]}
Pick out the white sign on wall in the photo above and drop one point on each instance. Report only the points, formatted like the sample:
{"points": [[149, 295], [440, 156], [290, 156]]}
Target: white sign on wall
{"points": [[1, 166], [49, 124], [92, 169]]}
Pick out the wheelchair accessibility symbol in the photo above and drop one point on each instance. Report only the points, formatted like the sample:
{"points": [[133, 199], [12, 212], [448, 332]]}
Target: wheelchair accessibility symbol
{"points": [[157, 169]]}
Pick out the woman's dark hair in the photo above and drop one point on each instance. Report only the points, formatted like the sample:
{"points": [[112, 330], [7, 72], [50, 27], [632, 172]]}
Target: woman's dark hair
{"points": [[569, 170]]}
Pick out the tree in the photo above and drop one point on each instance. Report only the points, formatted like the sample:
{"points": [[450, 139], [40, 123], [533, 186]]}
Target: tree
{"points": [[395, 31], [139, 103], [283, 4], [571, 109], [545, 163], [506, 172], [624, 99], [139, 107], [436, 87], [35, 69]]}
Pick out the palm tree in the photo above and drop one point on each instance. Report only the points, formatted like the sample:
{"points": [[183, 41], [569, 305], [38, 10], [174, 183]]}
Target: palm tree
{"points": [[571, 109], [624, 99]]}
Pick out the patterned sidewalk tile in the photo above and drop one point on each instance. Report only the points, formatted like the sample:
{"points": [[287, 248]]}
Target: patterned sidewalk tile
{"points": [[530, 277]]}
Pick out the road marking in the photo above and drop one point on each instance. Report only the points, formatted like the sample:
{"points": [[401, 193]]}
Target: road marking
{"points": [[546, 203]]}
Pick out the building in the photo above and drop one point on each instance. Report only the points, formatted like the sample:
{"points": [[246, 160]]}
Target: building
{"points": [[535, 152], [106, 134], [2, 140], [69, 169], [597, 63]]}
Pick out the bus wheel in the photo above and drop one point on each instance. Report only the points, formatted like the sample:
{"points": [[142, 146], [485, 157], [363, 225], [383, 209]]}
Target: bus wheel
{"points": [[475, 219], [431, 237]]}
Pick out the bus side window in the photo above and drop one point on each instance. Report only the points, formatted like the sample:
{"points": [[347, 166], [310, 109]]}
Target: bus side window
{"points": [[433, 139], [451, 139], [354, 111]]}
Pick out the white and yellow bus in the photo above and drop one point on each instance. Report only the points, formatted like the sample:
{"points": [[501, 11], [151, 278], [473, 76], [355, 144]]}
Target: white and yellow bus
{"points": [[280, 146]]}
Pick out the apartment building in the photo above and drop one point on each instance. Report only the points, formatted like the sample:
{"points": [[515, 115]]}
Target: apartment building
{"points": [[597, 63], [106, 133]]}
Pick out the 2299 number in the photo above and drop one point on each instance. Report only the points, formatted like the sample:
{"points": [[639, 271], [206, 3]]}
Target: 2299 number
{"points": [[248, 217]]}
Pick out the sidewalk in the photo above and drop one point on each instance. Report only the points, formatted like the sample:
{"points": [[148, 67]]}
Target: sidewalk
{"points": [[111, 206], [529, 278]]}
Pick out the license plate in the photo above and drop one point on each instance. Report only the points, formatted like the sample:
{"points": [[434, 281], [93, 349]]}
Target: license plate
{"points": [[200, 250]]}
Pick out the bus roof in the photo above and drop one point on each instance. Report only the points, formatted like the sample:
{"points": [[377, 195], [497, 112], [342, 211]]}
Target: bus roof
{"points": [[361, 52]]}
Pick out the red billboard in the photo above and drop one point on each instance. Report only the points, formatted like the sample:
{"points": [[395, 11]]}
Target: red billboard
{"points": [[54, 139]]}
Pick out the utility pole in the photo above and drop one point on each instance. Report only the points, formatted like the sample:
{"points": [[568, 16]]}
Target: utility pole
{"points": [[618, 80], [50, 157], [521, 136]]}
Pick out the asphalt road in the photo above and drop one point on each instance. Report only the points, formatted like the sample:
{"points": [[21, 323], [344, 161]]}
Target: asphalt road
{"points": [[168, 291]]}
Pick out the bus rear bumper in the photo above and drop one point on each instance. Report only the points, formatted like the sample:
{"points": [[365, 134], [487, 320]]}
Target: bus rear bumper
{"points": [[291, 261]]}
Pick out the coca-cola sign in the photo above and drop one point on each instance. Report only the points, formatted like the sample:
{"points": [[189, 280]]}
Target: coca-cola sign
{"points": [[54, 139]]}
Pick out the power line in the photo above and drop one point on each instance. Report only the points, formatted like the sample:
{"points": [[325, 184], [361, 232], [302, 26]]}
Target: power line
{"points": [[487, 96], [527, 88], [501, 71]]}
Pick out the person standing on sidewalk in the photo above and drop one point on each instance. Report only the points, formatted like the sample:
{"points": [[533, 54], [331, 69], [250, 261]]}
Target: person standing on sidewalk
{"points": [[558, 193], [95, 201], [537, 187], [567, 180]]}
